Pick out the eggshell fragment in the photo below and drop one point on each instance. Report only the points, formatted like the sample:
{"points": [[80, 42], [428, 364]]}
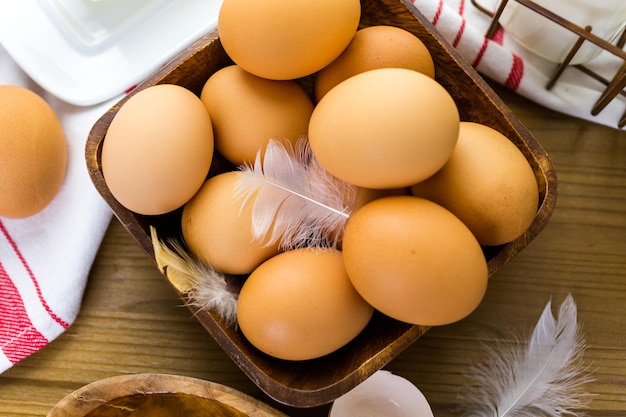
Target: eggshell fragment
{"points": [[217, 228], [301, 305], [158, 149], [376, 47], [414, 261], [384, 128], [382, 395], [247, 111], [284, 40], [33, 153], [487, 183]]}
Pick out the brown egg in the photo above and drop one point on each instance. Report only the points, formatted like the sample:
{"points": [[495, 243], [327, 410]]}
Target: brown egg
{"points": [[365, 195], [487, 183], [283, 40], [414, 261], [384, 128], [158, 149], [218, 230], [376, 47], [247, 111], [33, 153], [301, 305]]}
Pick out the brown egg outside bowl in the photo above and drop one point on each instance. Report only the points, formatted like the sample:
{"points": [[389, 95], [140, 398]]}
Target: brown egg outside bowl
{"points": [[159, 395], [320, 381]]}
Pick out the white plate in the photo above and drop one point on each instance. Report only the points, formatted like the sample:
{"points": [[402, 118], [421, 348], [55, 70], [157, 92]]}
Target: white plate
{"points": [[88, 51]]}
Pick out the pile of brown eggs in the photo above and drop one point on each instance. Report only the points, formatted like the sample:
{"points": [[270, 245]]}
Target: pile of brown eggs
{"points": [[432, 190]]}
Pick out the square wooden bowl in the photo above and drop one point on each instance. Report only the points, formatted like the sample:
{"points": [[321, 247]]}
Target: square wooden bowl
{"points": [[320, 381]]}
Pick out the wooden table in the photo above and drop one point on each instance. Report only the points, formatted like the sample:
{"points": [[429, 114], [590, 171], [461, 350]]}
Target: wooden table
{"points": [[132, 322]]}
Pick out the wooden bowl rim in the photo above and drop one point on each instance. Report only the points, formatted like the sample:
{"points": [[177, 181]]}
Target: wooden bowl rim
{"points": [[93, 395]]}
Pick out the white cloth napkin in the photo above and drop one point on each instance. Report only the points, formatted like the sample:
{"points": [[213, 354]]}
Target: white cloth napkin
{"points": [[505, 62], [45, 259]]}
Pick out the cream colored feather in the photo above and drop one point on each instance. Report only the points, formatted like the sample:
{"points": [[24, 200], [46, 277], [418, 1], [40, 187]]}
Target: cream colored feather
{"points": [[544, 377], [296, 201], [206, 287]]}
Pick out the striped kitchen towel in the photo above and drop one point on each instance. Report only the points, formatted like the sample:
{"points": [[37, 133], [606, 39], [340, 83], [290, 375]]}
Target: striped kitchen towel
{"points": [[505, 62], [45, 259]]}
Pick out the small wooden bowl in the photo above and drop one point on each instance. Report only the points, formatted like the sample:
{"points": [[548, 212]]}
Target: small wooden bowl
{"points": [[159, 395], [320, 381]]}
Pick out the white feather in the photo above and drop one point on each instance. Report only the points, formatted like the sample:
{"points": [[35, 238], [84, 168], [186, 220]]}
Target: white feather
{"points": [[296, 201], [206, 287], [544, 377]]}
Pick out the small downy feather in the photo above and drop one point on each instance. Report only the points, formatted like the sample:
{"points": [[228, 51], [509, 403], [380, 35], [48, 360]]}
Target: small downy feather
{"points": [[206, 287], [544, 377], [297, 202]]}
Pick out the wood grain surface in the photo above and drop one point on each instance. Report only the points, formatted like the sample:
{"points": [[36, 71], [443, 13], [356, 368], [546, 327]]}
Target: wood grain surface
{"points": [[132, 321]]}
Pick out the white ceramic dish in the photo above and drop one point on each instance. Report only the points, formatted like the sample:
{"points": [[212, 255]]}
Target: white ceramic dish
{"points": [[88, 51]]}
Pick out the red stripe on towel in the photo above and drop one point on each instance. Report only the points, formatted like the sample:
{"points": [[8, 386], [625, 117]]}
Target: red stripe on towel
{"points": [[481, 53], [18, 336], [498, 36], [438, 13], [30, 273], [515, 74], [459, 34]]}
